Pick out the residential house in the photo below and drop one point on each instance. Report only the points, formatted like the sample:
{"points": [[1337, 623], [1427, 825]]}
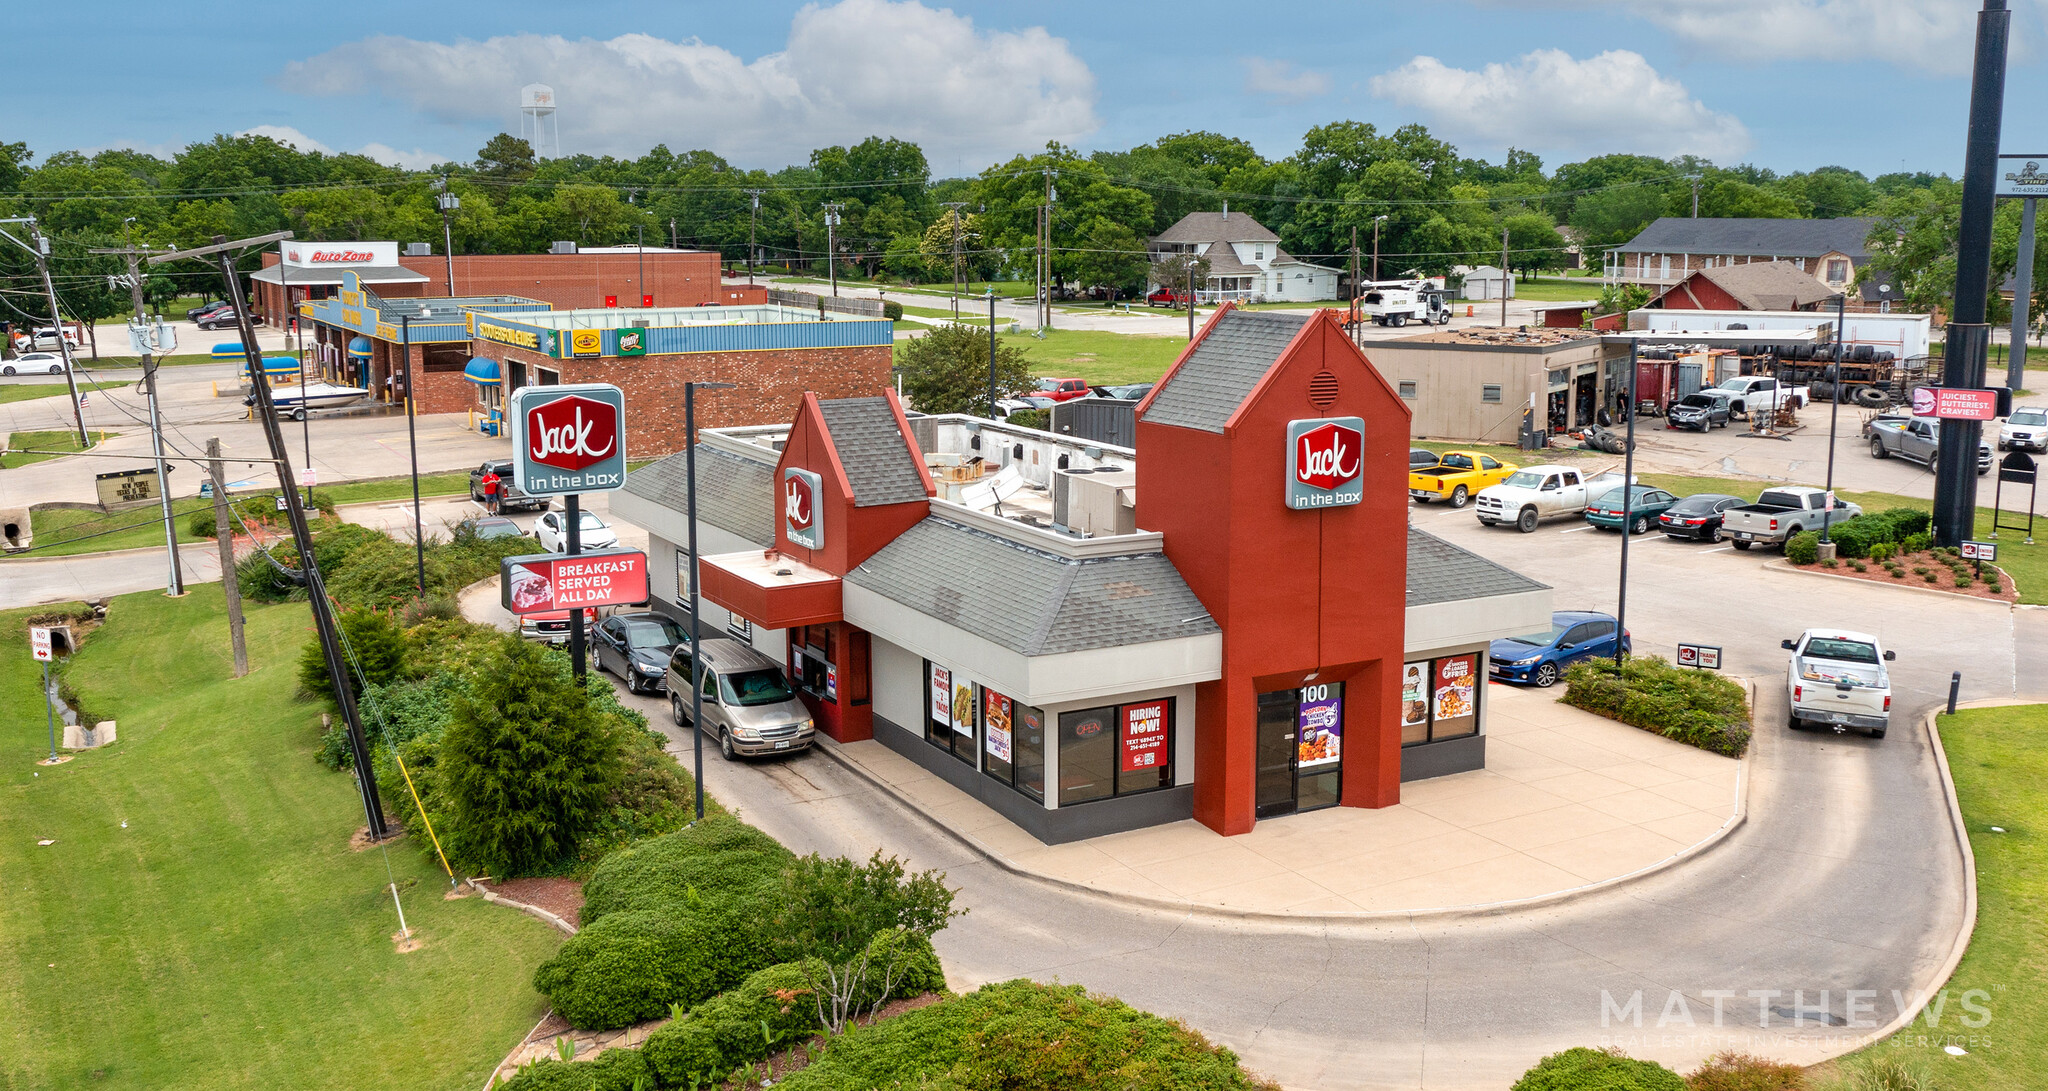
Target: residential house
{"points": [[1245, 260], [1756, 286], [1672, 248]]}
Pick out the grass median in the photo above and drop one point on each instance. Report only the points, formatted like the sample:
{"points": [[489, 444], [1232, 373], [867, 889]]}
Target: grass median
{"points": [[226, 936], [25, 448], [57, 388]]}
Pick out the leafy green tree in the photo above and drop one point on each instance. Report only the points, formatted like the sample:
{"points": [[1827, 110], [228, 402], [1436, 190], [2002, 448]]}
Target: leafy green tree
{"points": [[378, 645], [947, 370], [1533, 242], [527, 761], [1612, 217], [504, 160], [830, 912], [1173, 272]]}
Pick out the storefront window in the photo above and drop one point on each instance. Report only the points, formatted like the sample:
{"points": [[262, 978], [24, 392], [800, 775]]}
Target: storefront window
{"points": [[1440, 698], [1319, 743], [1143, 758], [1116, 750], [1087, 755], [998, 735], [1028, 749], [950, 711]]}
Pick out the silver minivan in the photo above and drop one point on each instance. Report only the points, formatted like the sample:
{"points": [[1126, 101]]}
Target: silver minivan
{"points": [[747, 702]]}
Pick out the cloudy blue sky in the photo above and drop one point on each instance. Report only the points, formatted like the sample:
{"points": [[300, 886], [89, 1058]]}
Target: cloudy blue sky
{"points": [[1879, 85]]}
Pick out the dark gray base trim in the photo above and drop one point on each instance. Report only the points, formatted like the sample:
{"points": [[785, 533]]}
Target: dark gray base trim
{"points": [[1441, 759], [1053, 827]]}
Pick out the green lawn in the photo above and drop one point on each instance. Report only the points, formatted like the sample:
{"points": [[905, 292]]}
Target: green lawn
{"points": [[2028, 565], [67, 532], [47, 445], [1999, 758], [28, 392], [1104, 359], [226, 937], [122, 361], [1547, 291]]}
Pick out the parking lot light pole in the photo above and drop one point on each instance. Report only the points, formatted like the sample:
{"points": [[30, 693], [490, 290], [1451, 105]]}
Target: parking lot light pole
{"points": [[696, 627], [1629, 499], [1827, 515], [992, 350], [412, 440]]}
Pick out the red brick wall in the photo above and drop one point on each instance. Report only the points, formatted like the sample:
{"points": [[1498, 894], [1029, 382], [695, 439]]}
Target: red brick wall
{"points": [[770, 390], [567, 281]]}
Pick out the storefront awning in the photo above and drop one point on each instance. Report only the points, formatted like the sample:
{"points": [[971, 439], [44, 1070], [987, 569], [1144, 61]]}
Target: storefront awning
{"points": [[359, 347], [481, 370], [771, 590], [228, 350], [365, 272], [276, 367]]}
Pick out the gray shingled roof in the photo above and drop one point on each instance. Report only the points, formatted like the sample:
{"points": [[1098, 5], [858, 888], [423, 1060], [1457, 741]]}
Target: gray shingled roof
{"points": [[1218, 376], [735, 493], [1216, 227], [1765, 285], [873, 451], [1029, 601], [1754, 237], [1441, 572]]}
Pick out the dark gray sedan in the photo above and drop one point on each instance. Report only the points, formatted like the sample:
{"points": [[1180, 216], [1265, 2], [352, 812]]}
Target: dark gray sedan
{"points": [[636, 647]]}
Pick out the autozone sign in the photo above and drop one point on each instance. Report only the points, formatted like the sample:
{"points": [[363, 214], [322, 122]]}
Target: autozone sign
{"points": [[1325, 460], [568, 439], [802, 518], [330, 253], [561, 581]]}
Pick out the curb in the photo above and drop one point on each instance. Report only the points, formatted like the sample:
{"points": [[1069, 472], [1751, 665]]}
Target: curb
{"points": [[831, 748], [1786, 567], [537, 911], [1928, 723]]}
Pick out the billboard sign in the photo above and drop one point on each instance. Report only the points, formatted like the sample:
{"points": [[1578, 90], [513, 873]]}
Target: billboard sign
{"points": [[560, 581], [1325, 460], [802, 517], [568, 438], [2022, 176]]}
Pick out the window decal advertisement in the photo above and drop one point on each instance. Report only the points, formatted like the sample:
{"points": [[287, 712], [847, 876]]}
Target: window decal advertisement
{"points": [[963, 709], [1414, 694], [1320, 737], [831, 681], [1144, 743], [942, 697], [1456, 682], [995, 712]]}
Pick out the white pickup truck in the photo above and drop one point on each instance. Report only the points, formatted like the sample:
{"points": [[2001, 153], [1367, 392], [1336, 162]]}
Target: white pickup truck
{"points": [[1780, 513], [1535, 493], [1760, 392], [1838, 679]]}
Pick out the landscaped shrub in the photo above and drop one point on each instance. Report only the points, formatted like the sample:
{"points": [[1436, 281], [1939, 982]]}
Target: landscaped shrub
{"points": [[612, 1070], [1040, 419], [1690, 706], [373, 648], [1859, 536], [1744, 1072], [1024, 1036], [829, 914], [717, 858], [765, 1013], [629, 967], [527, 762], [1916, 543], [1883, 551], [1582, 1069], [892, 310], [1803, 547]]}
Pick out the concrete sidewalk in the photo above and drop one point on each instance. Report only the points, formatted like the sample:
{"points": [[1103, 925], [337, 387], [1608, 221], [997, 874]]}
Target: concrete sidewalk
{"points": [[1568, 800]]}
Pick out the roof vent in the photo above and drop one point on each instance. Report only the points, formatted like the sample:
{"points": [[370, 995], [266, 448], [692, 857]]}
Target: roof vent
{"points": [[563, 246], [1322, 390], [419, 250]]}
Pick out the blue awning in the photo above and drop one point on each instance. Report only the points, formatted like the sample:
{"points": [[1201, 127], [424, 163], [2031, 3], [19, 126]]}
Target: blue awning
{"points": [[359, 347], [481, 370], [275, 367], [228, 350]]}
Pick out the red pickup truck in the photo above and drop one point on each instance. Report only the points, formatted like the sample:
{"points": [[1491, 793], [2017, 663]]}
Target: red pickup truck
{"points": [[1062, 390]]}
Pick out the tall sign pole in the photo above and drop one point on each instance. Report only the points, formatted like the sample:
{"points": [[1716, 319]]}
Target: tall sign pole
{"points": [[568, 440], [1969, 337], [1630, 493], [696, 625], [2021, 176]]}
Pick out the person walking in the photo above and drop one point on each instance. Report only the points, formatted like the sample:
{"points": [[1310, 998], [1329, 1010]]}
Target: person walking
{"points": [[491, 484]]}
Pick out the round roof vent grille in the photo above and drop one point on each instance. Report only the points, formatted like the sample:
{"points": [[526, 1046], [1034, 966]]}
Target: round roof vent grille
{"points": [[1322, 390]]}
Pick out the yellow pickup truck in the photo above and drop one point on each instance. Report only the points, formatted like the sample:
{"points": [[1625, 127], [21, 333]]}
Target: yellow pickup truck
{"points": [[1457, 476]]}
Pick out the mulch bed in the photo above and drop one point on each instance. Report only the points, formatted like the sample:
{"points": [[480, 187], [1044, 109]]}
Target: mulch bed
{"points": [[1938, 567], [562, 897]]}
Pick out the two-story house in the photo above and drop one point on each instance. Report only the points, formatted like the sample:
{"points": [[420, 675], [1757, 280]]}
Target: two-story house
{"points": [[1245, 260], [1674, 247]]}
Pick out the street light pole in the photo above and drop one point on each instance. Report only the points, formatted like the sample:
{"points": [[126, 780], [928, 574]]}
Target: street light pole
{"points": [[991, 350], [831, 245], [448, 202], [176, 585], [1629, 500], [696, 624], [412, 441], [1191, 300], [1827, 516]]}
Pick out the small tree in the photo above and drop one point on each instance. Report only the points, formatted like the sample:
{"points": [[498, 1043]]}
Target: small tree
{"points": [[829, 914], [1171, 273], [527, 761], [379, 653], [946, 370]]}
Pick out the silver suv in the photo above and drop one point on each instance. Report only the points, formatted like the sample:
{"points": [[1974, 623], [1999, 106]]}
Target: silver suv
{"points": [[747, 703]]}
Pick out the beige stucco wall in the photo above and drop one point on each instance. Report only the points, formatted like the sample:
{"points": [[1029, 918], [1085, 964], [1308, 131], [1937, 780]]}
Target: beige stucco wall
{"points": [[1450, 381]]}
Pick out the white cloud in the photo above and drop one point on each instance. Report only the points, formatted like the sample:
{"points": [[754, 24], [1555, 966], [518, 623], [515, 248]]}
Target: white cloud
{"points": [[1936, 35], [1279, 81], [416, 159], [854, 69], [1549, 100]]}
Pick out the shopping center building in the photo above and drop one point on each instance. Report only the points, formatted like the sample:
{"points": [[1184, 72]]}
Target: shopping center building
{"points": [[1230, 621]]}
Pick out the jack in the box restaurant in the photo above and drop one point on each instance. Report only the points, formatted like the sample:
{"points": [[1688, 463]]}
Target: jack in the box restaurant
{"points": [[1230, 621]]}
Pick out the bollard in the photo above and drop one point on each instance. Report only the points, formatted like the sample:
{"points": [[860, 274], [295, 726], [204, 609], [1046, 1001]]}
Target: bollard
{"points": [[1955, 682]]}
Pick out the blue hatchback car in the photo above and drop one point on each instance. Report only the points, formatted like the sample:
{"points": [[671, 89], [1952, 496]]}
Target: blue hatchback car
{"points": [[1540, 658]]}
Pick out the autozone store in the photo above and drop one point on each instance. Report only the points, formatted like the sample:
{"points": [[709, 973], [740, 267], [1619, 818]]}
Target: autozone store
{"points": [[1221, 623]]}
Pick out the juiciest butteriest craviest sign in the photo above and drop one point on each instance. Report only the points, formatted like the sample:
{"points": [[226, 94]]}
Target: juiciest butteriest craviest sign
{"points": [[1325, 462], [568, 439]]}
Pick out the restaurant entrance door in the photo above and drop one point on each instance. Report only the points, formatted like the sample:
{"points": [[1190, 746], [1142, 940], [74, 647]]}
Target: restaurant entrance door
{"points": [[1276, 753], [1300, 749]]}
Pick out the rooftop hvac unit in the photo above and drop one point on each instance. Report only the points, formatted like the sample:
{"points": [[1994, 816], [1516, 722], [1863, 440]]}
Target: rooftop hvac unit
{"points": [[1094, 502], [640, 323], [419, 250], [563, 246]]}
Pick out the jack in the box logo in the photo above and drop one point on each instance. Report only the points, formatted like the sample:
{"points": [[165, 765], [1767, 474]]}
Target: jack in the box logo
{"points": [[1325, 462]]}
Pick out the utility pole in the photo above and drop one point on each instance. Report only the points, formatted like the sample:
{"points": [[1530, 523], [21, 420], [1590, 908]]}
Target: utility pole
{"points": [[1504, 289], [1695, 179], [412, 440], [1351, 312], [640, 241], [1376, 246], [449, 202], [224, 536], [1968, 335], [1052, 194], [176, 584], [956, 206], [295, 512], [41, 253], [1191, 299], [831, 245], [753, 216]]}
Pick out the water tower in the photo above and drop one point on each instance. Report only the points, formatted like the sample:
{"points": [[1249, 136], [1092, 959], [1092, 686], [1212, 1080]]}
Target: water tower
{"points": [[537, 125]]}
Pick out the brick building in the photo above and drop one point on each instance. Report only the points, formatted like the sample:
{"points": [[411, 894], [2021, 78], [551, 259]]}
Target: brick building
{"points": [[611, 276]]}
